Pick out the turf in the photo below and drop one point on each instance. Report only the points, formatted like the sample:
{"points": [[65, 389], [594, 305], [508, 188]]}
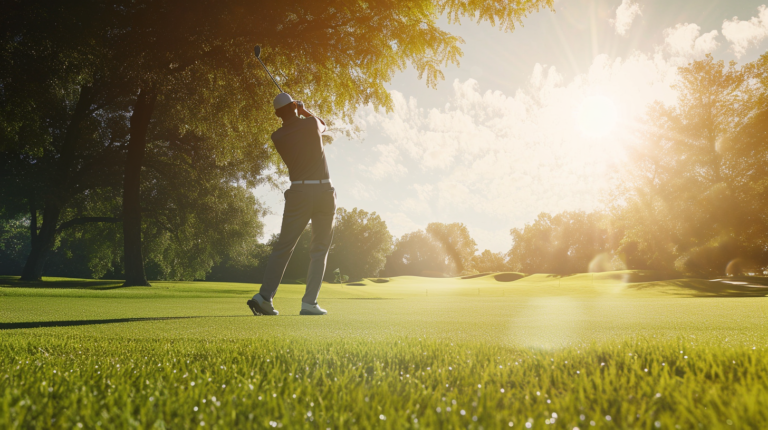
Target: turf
{"points": [[611, 350]]}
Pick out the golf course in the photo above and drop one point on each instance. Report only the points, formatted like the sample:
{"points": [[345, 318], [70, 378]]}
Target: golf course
{"points": [[605, 350]]}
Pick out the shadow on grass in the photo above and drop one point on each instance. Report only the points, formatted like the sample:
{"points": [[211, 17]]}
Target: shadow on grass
{"points": [[508, 276], [79, 284], [625, 276], [477, 275], [498, 276], [75, 323], [705, 288]]}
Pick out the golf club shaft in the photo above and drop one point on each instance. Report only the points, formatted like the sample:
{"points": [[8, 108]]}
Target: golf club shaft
{"points": [[270, 75]]}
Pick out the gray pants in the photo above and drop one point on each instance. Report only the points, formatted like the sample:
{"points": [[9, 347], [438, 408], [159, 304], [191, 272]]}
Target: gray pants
{"points": [[303, 202]]}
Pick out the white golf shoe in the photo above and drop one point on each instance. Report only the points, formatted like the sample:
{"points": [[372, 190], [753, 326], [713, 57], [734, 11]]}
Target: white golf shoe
{"points": [[260, 306], [307, 309]]}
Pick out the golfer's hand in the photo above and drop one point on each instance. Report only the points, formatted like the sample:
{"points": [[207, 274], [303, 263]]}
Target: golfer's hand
{"points": [[303, 112]]}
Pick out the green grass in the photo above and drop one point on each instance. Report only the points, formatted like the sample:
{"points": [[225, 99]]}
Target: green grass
{"points": [[406, 352]]}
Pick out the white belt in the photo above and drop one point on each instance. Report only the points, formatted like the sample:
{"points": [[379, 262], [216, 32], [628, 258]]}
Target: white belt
{"points": [[314, 181]]}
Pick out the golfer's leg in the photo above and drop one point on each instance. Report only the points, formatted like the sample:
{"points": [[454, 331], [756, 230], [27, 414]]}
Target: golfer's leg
{"points": [[322, 233], [298, 210]]}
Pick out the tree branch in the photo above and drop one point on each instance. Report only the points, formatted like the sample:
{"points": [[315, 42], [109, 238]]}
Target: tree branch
{"points": [[87, 220]]}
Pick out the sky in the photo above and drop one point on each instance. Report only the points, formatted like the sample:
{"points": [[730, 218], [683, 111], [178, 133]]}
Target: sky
{"points": [[531, 121]]}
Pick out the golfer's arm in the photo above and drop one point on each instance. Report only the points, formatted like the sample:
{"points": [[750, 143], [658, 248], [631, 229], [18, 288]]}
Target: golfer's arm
{"points": [[305, 112]]}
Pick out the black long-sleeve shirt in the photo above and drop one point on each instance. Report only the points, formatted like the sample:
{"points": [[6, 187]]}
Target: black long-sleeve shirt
{"points": [[299, 142]]}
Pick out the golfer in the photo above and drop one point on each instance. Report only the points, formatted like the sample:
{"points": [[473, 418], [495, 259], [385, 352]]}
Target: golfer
{"points": [[311, 197]]}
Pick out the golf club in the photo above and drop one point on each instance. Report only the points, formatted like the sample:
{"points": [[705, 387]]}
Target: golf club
{"points": [[257, 51]]}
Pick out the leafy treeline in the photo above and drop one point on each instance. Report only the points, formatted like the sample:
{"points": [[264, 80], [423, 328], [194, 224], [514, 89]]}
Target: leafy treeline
{"points": [[140, 126]]}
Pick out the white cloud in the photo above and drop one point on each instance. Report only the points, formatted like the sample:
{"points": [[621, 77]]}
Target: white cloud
{"points": [[399, 223], [495, 240], [424, 191], [625, 15], [388, 164], [743, 34], [509, 157], [415, 206], [360, 191], [683, 40]]}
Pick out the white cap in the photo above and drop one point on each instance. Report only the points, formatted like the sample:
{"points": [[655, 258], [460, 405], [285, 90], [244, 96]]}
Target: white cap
{"points": [[281, 100]]}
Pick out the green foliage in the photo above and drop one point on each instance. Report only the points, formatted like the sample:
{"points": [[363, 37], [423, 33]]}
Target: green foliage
{"points": [[416, 254], [439, 250], [455, 242], [14, 245], [339, 278], [488, 261], [564, 243], [361, 243]]}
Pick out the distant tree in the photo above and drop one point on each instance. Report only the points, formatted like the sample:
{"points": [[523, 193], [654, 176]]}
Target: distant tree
{"points": [[416, 254], [489, 261], [564, 243], [456, 243], [439, 250], [361, 243]]}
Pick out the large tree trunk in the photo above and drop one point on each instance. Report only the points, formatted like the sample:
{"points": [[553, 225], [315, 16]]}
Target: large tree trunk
{"points": [[32, 220], [58, 193], [42, 244], [134, 260]]}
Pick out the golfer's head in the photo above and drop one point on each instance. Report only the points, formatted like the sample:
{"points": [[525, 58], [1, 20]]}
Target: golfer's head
{"points": [[285, 106]]}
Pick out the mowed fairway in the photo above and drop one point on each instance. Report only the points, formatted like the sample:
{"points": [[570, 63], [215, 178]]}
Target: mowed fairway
{"points": [[613, 350]]}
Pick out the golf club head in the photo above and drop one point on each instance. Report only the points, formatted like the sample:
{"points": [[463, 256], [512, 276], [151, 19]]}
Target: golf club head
{"points": [[257, 51]]}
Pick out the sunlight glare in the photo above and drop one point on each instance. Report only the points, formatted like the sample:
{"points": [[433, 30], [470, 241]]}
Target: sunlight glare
{"points": [[597, 116]]}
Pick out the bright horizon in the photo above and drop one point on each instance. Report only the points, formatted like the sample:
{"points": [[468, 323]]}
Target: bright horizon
{"points": [[564, 93]]}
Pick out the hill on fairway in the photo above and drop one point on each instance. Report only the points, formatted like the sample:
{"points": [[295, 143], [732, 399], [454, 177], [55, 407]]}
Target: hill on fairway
{"points": [[606, 350]]}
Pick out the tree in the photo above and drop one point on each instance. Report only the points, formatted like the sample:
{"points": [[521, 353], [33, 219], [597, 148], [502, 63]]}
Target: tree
{"points": [[439, 250], [60, 134], [688, 194], [564, 243], [488, 261], [361, 243], [454, 240], [416, 254]]}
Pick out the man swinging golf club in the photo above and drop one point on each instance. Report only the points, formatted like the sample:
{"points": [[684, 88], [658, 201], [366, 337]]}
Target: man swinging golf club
{"points": [[311, 197]]}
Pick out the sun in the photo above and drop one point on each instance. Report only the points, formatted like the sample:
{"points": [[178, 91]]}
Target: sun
{"points": [[597, 116]]}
